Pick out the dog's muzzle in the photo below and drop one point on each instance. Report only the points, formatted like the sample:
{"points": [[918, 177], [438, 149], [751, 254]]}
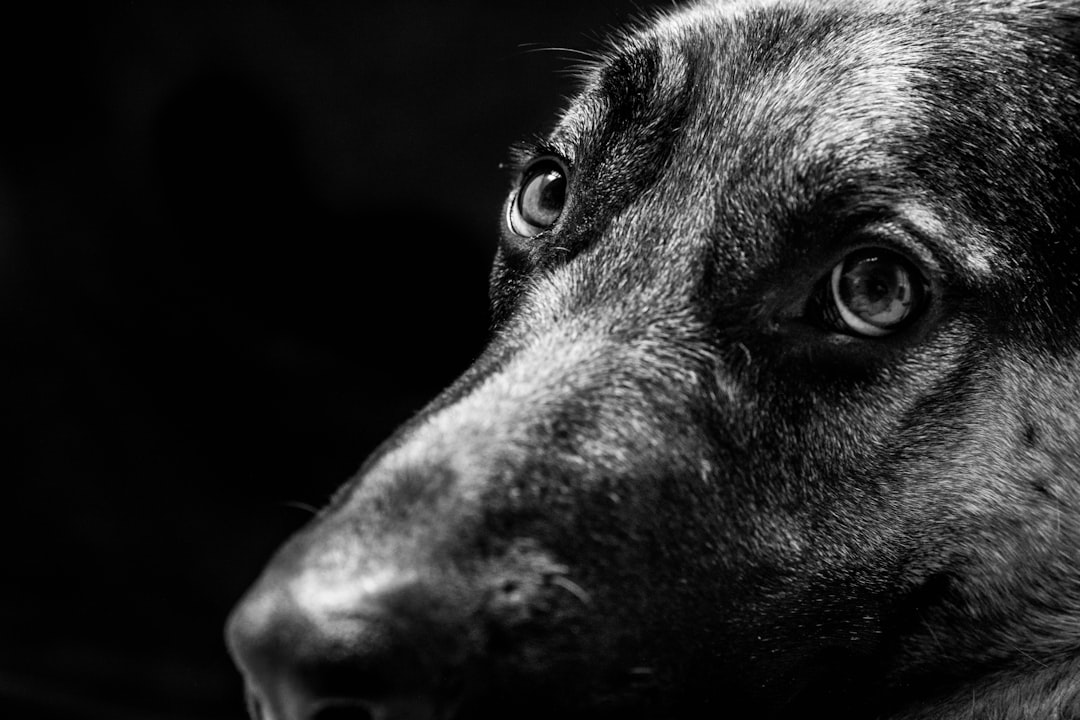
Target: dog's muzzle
{"points": [[307, 655], [363, 615], [495, 560]]}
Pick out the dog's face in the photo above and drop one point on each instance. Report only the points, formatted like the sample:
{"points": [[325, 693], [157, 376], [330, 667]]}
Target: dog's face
{"points": [[780, 411]]}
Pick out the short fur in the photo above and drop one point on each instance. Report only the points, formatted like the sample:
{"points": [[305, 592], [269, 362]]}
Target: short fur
{"points": [[664, 491]]}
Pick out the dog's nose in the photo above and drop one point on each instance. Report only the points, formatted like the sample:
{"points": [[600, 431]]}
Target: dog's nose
{"points": [[374, 648]]}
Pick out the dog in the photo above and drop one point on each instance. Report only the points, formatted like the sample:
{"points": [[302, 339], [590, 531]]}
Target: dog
{"points": [[780, 413]]}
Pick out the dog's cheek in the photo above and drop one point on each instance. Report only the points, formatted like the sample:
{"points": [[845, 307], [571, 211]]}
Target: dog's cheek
{"points": [[991, 505], [506, 284]]}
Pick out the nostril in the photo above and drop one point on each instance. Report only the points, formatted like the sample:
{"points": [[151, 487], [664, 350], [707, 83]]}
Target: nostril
{"points": [[254, 707], [342, 711], [411, 708], [384, 648]]}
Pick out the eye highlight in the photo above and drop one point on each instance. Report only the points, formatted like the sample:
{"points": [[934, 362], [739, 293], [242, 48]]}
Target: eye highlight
{"points": [[539, 200], [872, 293]]}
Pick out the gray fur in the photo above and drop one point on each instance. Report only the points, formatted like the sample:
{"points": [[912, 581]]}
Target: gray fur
{"points": [[665, 490]]}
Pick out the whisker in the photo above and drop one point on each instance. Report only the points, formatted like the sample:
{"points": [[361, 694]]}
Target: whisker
{"points": [[573, 588], [530, 48], [300, 506]]}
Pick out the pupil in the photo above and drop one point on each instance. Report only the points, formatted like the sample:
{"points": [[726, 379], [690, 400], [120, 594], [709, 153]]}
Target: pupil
{"points": [[543, 198], [876, 291], [553, 191]]}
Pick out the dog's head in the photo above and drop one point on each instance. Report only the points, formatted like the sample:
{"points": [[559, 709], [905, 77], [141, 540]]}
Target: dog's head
{"points": [[780, 408]]}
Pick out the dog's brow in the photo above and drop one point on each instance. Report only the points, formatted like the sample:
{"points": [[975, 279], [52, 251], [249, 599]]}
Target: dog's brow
{"points": [[943, 240], [640, 85], [577, 121], [966, 247], [524, 151]]}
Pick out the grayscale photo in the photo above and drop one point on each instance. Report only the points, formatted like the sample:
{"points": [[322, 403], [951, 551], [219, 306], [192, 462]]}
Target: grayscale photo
{"points": [[697, 360]]}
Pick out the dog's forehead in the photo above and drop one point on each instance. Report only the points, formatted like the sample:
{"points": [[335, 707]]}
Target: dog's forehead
{"points": [[800, 101], [757, 63], [829, 81]]}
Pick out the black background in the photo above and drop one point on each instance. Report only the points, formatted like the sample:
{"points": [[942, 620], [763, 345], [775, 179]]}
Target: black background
{"points": [[239, 243]]}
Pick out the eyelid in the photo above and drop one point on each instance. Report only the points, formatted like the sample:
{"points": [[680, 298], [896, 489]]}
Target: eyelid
{"points": [[526, 152], [531, 169], [906, 243], [898, 236], [905, 225], [950, 249]]}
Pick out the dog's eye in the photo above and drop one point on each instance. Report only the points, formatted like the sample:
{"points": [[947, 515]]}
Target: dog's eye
{"points": [[872, 293], [539, 200]]}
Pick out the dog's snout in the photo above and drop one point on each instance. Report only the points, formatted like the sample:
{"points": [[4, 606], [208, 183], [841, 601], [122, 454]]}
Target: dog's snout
{"points": [[393, 603], [374, 648]]}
